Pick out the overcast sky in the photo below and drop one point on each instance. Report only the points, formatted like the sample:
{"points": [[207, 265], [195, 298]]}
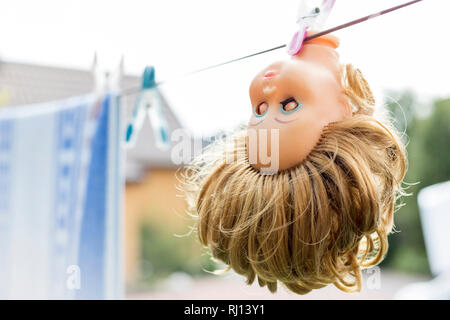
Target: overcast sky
{"points": [[407, 49]]}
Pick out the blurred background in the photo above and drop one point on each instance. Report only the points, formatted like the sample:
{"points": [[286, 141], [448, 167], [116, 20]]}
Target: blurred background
{"points": [[47, 51]]}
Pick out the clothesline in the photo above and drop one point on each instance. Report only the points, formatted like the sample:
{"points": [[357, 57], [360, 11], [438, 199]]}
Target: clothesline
{"points": [[136, 89]]}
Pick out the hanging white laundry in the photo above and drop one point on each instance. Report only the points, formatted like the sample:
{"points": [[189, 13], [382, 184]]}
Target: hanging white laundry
{"points": [[61, 187]]}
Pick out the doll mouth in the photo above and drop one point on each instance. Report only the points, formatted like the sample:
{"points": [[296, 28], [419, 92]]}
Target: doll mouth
{"points": [[269, 75], [285, 121]]}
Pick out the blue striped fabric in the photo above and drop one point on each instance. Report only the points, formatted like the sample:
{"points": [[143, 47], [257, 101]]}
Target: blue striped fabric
{"points": [[61, 187]]}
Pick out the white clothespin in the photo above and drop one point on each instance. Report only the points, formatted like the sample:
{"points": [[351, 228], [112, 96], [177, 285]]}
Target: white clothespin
{"points": [[149, 103], [104, 81], [99, 77], [312, 14]]}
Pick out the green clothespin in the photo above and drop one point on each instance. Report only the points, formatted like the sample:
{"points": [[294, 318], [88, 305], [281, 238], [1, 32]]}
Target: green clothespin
{"points": [[148, 102]]}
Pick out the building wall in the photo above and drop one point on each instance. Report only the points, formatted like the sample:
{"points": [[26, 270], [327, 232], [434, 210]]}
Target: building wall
{"points": [[156, 197]]}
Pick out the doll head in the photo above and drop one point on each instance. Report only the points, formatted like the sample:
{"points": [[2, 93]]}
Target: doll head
{"points": [[326, 213], [292, 101]]}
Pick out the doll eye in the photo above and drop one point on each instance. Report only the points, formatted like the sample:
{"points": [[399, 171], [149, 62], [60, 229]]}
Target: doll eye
{"points": [[261, 109], [289, 105]]}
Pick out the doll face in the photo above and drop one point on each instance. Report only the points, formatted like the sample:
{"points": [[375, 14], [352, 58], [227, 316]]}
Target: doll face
{"points": [[292, 101]]}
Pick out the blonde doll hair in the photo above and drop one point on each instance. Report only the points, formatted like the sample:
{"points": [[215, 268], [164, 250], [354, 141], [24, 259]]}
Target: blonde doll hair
{"points": [[314, 224]]}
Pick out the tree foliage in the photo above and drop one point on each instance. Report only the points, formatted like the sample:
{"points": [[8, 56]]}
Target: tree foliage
{"points": [[428, 146]]}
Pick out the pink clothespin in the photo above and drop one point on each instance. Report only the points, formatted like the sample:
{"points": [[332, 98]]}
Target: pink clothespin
{"points": [[312, 14]]}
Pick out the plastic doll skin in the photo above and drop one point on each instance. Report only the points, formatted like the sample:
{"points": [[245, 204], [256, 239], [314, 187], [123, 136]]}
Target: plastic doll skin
{"points": [[299, 96]]}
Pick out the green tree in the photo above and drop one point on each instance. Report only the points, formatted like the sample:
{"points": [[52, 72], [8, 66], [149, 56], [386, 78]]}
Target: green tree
{"points": [[428, 146], [163, 253]]}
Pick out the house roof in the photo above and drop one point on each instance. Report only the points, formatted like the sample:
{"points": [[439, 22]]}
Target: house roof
{"points": [[22, 83]]}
